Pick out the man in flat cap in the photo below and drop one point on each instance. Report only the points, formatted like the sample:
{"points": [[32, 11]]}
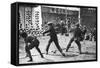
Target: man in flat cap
{"points": [[53, 38]]}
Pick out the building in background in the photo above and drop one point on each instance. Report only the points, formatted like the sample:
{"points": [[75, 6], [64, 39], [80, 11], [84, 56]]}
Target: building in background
{"points": [[88, 18], [60, 15], [30, 17], [36, 17]]}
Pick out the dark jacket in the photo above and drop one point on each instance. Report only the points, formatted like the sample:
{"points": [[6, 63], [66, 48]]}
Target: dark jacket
{"points": [[34, 42], [51, 32], [76, 32]]}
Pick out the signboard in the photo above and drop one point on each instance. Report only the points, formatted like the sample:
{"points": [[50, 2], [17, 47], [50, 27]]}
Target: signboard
{"points": [[36, 17], [28, 18]]}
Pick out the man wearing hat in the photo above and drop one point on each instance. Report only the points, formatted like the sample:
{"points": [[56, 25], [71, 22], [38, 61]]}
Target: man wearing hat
{"points": [[76, 37], [53, 38]]}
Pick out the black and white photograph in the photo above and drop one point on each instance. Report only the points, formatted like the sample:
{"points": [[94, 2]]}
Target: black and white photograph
{"points": [[53, 33]]}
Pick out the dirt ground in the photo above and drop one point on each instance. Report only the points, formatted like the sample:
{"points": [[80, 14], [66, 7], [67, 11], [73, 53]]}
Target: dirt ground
{"points": [[88, 51]]}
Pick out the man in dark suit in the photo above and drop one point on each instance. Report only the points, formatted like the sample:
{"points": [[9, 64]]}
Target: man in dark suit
{"points": [[53, 38], [76, 37], [31, 42]]}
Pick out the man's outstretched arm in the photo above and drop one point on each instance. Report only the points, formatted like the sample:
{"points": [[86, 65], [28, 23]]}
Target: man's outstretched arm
{"points": [[46, 32]]}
